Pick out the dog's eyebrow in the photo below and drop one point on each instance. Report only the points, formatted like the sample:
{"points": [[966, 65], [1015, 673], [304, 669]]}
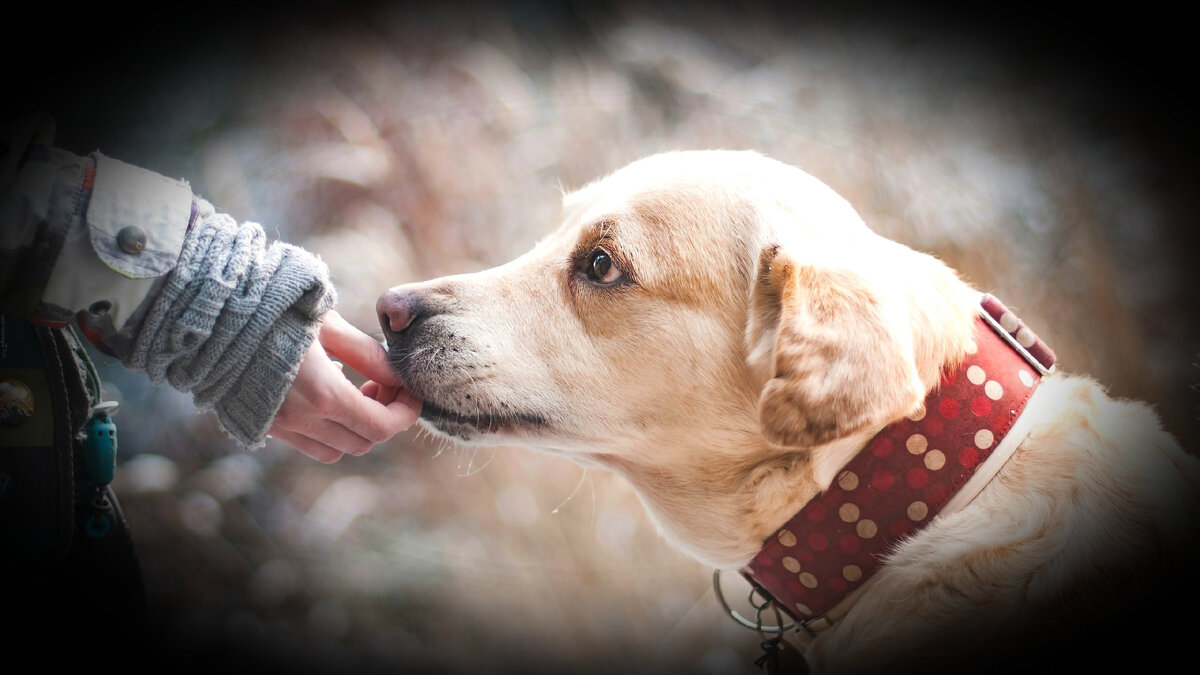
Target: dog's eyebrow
{"points": [[599, 232], [604, 229]]}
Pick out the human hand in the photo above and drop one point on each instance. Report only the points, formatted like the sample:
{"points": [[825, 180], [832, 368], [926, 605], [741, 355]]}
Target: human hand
{"points": [[324, 415]]}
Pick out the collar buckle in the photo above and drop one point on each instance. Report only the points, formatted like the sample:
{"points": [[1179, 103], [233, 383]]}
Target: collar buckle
{"points": [[1020, 337]]}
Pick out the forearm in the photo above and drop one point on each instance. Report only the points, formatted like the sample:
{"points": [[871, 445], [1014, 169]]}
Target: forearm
{"points": [[156, 277]]}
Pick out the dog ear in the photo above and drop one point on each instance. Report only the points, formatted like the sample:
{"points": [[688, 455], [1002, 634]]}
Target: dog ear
{"points": [[834, 359]]}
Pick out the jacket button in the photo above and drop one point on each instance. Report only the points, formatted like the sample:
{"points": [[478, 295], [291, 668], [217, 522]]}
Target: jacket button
{"points": [[16, 402], [132, 239]]}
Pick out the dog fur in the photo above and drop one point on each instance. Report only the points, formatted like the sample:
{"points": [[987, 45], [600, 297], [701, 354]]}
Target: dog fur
{"points": [[747, 337]]}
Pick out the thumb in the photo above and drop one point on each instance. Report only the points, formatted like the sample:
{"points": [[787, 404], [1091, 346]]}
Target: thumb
{"points": [[357, 350]]}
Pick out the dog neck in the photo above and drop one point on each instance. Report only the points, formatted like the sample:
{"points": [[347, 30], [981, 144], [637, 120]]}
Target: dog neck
{"points": [[718, 507], [934, 461]]}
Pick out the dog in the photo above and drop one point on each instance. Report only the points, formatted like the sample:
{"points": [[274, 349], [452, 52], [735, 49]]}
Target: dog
{"points": [[725, 332]]}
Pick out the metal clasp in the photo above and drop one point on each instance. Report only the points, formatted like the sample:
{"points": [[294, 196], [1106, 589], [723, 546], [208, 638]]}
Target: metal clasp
{"points": [[760, 601]]}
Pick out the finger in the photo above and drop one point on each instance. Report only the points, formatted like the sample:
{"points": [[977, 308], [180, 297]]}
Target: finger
{"points": [[326, 406], [385, 394], [408, 399], [378, 420], [357, 349], [312, 448], [325, 429]]}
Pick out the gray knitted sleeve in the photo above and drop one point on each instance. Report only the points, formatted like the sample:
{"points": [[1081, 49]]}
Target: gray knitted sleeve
{"points": [[232, 322]]}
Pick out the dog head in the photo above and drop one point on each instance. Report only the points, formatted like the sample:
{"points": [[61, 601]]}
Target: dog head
{"points": [[696, 317]]}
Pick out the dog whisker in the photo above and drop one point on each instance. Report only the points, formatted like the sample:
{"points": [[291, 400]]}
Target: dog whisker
{"points": [[582, 477]]}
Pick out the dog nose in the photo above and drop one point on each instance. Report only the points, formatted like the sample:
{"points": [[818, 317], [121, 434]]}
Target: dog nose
{"points": [[396, 309]]}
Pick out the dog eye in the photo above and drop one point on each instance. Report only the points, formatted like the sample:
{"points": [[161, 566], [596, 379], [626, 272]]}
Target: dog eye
{"points": [[601, 269]]}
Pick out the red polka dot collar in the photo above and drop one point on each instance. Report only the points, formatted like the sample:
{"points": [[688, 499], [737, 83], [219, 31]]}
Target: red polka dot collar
{"points": [[915, 468]]}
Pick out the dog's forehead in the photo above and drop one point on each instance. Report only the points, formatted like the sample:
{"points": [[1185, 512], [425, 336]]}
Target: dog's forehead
{"points": [[665, 173], [703, 185], [679, 210], [674, 194], [663, 225]]}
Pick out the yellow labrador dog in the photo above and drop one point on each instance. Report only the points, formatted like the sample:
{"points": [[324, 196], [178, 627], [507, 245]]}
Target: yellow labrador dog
{"points": [[723, 331]]}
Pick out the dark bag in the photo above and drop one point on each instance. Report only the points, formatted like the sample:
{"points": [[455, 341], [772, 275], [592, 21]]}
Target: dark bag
{"points": [[66, 557]]}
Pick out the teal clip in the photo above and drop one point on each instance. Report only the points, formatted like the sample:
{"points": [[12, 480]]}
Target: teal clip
{"points": [[100, 444], [98, 526]]}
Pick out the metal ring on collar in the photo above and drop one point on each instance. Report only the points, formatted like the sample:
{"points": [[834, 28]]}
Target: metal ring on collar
{"points": [[778, 629]]}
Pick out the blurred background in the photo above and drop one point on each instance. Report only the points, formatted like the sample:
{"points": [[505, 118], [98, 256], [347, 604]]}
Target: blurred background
{"points": [[1048, 158]]}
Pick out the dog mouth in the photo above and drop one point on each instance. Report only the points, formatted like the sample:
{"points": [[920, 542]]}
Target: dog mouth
{"points": [[455, 399], [465, 426]]}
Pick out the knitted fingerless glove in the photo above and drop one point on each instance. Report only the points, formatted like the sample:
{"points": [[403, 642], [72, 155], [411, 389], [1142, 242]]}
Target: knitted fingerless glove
{"points": [[232, 322]]}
